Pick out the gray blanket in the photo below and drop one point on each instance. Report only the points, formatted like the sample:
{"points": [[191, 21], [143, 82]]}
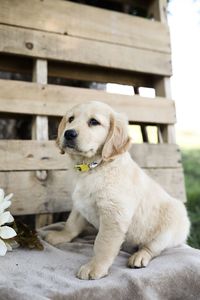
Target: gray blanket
{"points": [[50, 274]]}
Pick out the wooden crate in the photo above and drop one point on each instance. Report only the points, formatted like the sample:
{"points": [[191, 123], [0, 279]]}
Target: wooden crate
{"points": [[74, 41]]}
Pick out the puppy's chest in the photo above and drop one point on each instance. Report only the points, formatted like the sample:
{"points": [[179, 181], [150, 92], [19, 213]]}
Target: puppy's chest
{"points": [[85, 199]]}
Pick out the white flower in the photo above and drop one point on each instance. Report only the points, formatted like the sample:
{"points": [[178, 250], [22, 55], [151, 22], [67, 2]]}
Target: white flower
{"points": [[6, 232], [4, 201]]}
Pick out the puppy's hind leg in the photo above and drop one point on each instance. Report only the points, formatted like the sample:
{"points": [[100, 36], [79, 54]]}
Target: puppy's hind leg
{"points": [[152, 249], [73, 227]]}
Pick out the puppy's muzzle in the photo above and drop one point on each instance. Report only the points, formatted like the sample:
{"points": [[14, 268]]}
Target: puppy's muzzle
{"points": [[70, 138]]}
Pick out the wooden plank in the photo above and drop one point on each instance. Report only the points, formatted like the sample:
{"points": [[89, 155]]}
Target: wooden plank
{"points": [[158, 10], [166, 133], [156, 155], [163, 89], [172, 181], [40, 71], [32, 196], [40, 132], [98, 74], [23, 65], [40, 123], [142, 126], [72, 19], [42, 220], [53, 46], [36, 99], [17, 155]]}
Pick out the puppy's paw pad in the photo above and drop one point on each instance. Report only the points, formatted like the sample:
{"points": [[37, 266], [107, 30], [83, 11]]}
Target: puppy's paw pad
{"points": [[139, 259]]}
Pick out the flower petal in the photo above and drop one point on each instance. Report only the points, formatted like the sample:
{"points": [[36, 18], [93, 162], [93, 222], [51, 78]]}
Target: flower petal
{"points": [[7, 232], [9, 248], [1, 195], [4, 205], [3, 248], [11, 219], [8, 197], [6, 217]]}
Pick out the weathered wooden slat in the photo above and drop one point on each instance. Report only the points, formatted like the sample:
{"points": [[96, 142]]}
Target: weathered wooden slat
{"points": [[27, 42], [32, 196], [158, 10], [84, 21], [172, 181], [23, 65], [16, 155], [162, 87], [156, 155], [38, 99], [40, 132], [98, 74]]}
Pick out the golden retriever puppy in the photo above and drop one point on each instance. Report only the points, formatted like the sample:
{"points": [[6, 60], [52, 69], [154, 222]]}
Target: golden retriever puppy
{"points": [[113, 193]]}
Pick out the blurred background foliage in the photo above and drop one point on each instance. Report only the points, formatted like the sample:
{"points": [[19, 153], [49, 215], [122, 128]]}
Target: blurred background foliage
{"points": [[191, 164]]}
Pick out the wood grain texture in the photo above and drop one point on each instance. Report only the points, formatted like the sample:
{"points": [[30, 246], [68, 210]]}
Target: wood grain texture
{"points": [[158, 10], [163, 89], [40, 132], [84, 21], [156, 155], [52, 100], [166, 133], [16, 64], [32, 196], [33, 43], [40, 123], [98, 74], [18, 155], [172, 181], [42, 220]]}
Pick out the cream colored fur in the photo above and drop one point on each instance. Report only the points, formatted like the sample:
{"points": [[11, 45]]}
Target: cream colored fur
{"points": [[117, 197]]}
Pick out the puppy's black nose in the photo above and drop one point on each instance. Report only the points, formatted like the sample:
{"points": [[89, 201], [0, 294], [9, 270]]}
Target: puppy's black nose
{"points": [[70, 134]]}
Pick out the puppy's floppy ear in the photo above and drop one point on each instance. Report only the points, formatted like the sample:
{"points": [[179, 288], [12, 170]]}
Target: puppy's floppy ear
{"points": [[118, 140], [61, 128]]}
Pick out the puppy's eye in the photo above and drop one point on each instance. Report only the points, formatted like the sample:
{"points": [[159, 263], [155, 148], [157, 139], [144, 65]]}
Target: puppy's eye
{"points": [[71, 119], [93, 122]]}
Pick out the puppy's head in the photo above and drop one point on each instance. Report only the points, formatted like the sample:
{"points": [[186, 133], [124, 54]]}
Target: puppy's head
{"points": [[93, 128]]}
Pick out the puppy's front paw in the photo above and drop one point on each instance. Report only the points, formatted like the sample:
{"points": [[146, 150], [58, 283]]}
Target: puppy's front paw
{"points": [[57, 237], [92, 271], [139, 259]]}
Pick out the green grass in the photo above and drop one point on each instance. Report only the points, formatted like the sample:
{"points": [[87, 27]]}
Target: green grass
{"points": [[191, 164]]}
